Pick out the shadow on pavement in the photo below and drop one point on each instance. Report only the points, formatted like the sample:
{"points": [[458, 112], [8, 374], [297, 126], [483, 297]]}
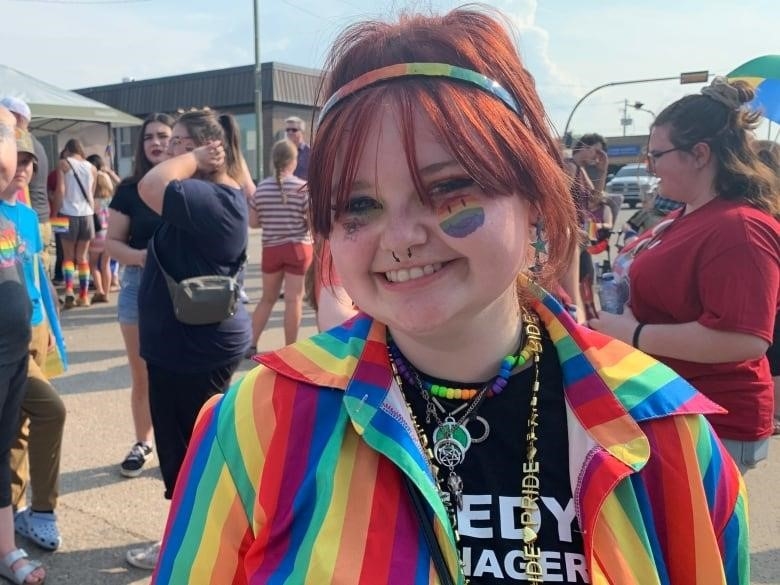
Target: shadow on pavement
{"points": [[98, 477], [114, 378], [764, 568], [104, 566], [89, 356]]}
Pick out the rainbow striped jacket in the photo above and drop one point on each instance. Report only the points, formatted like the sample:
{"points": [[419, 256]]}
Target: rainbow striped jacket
{"points": [[294, 476]]}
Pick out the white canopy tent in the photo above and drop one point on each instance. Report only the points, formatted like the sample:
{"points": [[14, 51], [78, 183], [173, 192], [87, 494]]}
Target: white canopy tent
{"points": [[54, 109], [59, 115]]}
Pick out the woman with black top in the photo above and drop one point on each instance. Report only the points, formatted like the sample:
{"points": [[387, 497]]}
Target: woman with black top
{"points": [[131, 223], [204, 231]]}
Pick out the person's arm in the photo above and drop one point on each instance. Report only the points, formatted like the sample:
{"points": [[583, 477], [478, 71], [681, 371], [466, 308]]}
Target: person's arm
{"points": [[253, 210], [570, 282], [691, 341], [94, 173], [247, 184], [602, 162], [59, 192], [116, 240], [206, 159], [608, 220]]}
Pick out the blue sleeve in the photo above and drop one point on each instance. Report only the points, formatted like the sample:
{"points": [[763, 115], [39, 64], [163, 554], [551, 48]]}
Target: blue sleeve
{"points": [[192, 205]]}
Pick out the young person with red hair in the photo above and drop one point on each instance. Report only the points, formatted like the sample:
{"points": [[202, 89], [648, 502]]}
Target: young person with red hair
{"points": [[462, 427]]}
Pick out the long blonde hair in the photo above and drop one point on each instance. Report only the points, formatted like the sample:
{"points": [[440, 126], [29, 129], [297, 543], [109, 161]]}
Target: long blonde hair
{"points": [[283, 154]]}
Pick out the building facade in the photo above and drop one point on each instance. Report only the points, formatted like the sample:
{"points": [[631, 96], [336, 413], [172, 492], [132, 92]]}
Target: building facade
{"points": [[287, 90]]}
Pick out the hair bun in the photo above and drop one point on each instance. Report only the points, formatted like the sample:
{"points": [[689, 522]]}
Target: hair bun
{"points": [[730, 95]]}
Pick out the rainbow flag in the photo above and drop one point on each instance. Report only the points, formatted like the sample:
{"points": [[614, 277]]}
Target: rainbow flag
{"points": [[763, 75], [59, 225]]}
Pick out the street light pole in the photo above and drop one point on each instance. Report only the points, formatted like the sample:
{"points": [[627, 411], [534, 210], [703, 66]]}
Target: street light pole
{"points": [[692, 77], [258, 93]]}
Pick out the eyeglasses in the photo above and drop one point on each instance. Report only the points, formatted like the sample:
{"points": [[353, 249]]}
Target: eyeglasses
{"points": [[177, 140], [293, 130], [654, 155]]}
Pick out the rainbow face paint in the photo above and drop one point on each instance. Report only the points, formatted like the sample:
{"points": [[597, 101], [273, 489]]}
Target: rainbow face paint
{"points": [[461, 216]]}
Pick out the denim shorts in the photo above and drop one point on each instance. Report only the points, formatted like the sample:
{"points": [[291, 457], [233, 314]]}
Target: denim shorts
{"points": [[127, 307]]}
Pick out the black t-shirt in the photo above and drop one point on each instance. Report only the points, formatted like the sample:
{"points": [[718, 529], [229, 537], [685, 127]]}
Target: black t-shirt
{"points": [[15, 306], [143, 221], [489, 523], [204, 232]]}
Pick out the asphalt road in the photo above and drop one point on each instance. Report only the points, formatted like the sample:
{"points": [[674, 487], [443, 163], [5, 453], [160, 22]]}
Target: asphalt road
{"points": [[102, 515]]}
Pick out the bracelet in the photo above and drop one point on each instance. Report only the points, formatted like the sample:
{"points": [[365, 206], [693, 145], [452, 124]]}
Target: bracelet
{"points": [[637, 331]]}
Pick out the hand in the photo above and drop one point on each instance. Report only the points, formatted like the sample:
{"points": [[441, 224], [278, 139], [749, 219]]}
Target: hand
{"points": [[140, 258], [618, 326], [601, 159], [210, 157]]}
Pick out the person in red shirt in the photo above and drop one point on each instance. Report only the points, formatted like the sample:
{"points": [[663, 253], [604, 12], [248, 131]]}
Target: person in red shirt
{"points": [[704, 286]]}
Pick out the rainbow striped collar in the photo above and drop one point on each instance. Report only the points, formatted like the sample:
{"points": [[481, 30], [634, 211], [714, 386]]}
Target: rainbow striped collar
{"points": [[609, 386]]}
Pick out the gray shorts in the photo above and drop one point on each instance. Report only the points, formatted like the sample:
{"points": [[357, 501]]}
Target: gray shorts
{"points": [[81, 228], [127, 307]]}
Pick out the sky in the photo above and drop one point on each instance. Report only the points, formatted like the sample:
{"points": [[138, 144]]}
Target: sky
{"points": [[570, 47]]}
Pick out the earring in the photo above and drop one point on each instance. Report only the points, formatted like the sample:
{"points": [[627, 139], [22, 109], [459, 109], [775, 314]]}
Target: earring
{"points": [[540, 247], [396, 258], [408, 252]]}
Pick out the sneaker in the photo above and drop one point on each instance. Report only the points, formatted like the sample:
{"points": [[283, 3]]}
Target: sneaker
{"points": [[82, 301], [139, 454], [144, 558], [242, 296], [70, 300]]}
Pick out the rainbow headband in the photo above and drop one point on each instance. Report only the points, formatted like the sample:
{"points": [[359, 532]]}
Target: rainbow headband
{"points": [[443, 70]]}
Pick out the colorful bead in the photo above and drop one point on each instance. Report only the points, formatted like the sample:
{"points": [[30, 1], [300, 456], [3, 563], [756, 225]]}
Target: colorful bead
{"points": [[508, 363]]}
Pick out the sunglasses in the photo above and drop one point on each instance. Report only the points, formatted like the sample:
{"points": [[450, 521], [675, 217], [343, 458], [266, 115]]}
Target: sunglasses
{"points": [[293, 130]]}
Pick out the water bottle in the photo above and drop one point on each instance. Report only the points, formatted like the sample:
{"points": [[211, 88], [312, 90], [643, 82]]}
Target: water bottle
{"points": [[611, 294]]}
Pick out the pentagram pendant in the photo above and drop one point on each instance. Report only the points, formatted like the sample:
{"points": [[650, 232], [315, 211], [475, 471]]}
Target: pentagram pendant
{"points": [[449, 453]]}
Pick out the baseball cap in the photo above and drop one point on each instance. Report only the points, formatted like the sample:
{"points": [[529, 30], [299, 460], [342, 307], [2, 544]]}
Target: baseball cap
{"points": [[17, 106], [24, 142]]}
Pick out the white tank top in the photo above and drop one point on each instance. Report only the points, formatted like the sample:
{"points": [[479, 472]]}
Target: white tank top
{"points": [[74, 203]]}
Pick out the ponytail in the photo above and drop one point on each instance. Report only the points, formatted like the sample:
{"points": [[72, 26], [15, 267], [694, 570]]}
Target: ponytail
{"points": [[232, 146]]}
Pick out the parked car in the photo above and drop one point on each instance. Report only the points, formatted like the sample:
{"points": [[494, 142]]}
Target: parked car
{"points": [[634, 182]]}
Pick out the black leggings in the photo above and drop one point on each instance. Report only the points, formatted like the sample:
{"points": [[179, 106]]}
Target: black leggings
{"points": [[175, 399]]}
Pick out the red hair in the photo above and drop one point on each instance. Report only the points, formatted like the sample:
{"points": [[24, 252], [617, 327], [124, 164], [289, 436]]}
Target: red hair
{"points": [[503, 152]]}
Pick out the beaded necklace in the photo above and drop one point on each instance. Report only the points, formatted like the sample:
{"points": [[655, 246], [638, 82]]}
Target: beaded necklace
{"points": [[448, 447], [494, 387]]}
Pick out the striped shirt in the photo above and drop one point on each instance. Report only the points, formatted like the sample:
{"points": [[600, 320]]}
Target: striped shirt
{"points": [[282, 221]]}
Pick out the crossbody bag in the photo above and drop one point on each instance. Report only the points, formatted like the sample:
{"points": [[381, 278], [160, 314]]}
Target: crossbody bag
{"points": [[202, 300]]}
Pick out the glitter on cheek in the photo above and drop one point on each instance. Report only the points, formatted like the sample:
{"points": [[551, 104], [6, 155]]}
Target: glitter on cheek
{"points": [[461, 217]]}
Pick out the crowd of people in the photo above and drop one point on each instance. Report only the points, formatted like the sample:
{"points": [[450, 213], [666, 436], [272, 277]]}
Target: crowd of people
{"points": [[467, 414]]}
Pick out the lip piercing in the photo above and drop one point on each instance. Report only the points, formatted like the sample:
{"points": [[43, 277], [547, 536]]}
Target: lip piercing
{"points": [[408, 252], [396, 258]]}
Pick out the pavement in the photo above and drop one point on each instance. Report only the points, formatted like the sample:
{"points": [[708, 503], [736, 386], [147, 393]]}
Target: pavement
{"points": [[102, 514]]}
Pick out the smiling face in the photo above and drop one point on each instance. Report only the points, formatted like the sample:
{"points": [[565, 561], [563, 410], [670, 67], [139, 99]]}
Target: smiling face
{"points": [[424, 268], [156, 136]]}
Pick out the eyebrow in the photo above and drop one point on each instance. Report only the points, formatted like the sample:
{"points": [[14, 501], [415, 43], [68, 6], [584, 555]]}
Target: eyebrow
{"points": [[426, 171]]}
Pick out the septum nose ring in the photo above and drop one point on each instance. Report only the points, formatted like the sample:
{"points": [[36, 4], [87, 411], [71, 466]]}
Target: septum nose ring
{"points": [[397, 259]]}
